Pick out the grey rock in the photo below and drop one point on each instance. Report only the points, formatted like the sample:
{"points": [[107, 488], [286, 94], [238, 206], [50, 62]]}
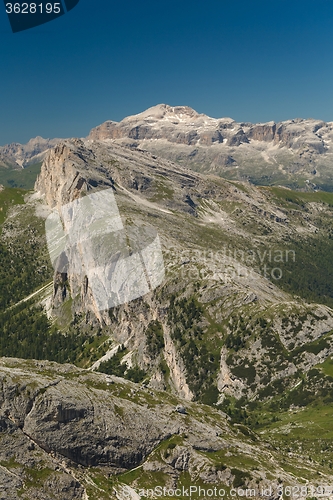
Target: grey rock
{"points": [[259, 151]]}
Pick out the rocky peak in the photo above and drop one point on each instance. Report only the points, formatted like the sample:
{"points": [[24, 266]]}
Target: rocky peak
{"points": [[67, 172]]}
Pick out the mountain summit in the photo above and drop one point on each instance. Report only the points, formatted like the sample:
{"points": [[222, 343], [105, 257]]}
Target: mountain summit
{"points": [[294, 153]]}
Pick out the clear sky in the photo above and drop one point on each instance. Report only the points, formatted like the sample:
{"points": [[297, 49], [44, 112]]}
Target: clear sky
{"points": [[256, 60]]}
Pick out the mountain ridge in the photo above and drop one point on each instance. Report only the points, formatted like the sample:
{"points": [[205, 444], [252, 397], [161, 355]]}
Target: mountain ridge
{"points": [[16, 155], [194, 214], [295, 153], [236, 343]]}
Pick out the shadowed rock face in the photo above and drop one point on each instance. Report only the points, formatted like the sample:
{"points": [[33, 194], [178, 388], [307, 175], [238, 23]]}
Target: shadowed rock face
{"points": [[70, 417], [60, 419], [80, 426]]}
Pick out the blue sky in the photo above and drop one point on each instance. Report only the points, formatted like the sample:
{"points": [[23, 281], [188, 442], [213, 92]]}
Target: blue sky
{"points": [[253, 60]]}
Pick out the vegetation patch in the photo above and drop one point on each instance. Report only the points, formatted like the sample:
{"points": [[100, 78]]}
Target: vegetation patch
{"points": [[240, 477], [24, 178], [245, 371], [9, 198]]}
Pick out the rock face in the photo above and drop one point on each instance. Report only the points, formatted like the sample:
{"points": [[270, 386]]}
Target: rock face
{"points": [[69, 170], [87, 429], [75, 168], [68, 417], [142, 184]]}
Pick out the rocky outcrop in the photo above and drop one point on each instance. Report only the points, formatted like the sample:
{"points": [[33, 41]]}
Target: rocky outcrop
{"points": [[263, 132], [69, 170], [74, 418], [239, 138], [80, 425], [181, 206], [108, 130], [177, 368], [211, 137]]}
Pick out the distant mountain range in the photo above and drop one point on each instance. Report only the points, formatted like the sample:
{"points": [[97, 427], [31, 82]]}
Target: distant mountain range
{"points": [[220, 376], [294, 153]]}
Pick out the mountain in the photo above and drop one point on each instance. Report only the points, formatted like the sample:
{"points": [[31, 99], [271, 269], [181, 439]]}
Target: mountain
{"points": [[238, 299], [72, 434], [295, 153], [220, 375], [20, 163]]}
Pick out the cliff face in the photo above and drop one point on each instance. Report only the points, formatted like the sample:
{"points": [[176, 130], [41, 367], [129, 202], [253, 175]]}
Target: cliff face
{"points": [[56, 420], [75, 169], [70, 170]]}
